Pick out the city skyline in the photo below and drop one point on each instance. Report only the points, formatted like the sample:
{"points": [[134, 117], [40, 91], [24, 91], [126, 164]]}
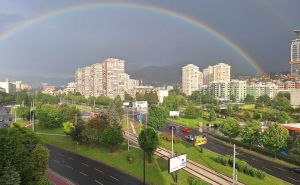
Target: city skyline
{"points": [[185, 35]]}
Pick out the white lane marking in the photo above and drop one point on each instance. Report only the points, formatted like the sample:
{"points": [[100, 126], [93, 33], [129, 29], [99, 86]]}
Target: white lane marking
{"points": [[69, 167], [281, 169], [70, 158], [98, 182], [293, 179], [114, 178], [56, 161], [254, 159], [83, 174], [98, 170], [84, 164], [267, 169]]}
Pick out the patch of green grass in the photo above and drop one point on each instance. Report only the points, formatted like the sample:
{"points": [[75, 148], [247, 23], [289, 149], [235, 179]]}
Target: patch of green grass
{"points": [[156, 172], [39, 128], [194, 122], [206, 159]]}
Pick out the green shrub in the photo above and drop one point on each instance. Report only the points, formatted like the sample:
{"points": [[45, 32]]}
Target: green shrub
{"points": [[168, 137]]}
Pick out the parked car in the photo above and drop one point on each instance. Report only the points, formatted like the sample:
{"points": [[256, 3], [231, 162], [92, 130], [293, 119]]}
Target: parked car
{"points": [[296, 170], [189, 138], [186, 130]]}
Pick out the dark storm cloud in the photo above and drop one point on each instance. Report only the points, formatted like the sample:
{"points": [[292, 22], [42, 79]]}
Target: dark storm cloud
{"points": [[56, 46]]}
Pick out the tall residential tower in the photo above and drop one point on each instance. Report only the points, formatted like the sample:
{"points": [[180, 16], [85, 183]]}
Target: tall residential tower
{"points": [[295, 57]]}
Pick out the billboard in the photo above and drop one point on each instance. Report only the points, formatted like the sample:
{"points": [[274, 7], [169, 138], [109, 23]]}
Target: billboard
{"points": [[200, 140], [174, 113], [140, 104], [176, 163]]}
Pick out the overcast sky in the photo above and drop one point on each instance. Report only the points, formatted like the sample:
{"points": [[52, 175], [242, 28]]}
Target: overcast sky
{"points": [[50, 50]]}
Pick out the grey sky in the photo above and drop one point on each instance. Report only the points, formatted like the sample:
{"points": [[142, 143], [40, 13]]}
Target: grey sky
{"points": [[53, 48]]}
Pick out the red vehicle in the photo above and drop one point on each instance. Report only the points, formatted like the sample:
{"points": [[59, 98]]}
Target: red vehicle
{"points": [[186, 130]]}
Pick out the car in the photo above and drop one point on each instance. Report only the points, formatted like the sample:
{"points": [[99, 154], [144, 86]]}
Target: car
{"points": [[296, 170], [174, 127], [186, 130], [189, 138]]}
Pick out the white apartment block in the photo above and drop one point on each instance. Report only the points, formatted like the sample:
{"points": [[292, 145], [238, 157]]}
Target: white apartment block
{"points": [[221, 72], [8, 86], [218, 72], [238, 89], [295, 57], [208, 75], [161, 94], [220, 90], [70, 88], [107, 78], [259, 89], [190, 79]]}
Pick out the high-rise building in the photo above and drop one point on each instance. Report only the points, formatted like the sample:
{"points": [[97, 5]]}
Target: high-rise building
{"points": [[8, 86], [208, 75], [221, 72], [190, 79], [107, 78], [295, 57]]}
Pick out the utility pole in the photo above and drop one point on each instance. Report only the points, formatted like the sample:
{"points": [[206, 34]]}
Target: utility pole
{"points": [[128, 132], [234, 175], [144, 168], [172, 142]]}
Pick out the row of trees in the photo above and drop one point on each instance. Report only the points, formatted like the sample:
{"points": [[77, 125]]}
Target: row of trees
{"points": [[274, 138], [24, 159]]}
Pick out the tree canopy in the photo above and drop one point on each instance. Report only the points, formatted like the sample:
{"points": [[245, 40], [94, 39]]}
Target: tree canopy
{"points": [[148, 141], [230, 128], [157, 117]]}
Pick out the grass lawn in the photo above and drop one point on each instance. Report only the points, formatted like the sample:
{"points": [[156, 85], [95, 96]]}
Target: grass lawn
{"points": [[194, 122], [156, 172], [39, 128], [205, 158]]}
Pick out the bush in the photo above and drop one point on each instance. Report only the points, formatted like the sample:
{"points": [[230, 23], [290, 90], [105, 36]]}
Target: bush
{"points": [[129, 158], [168, 137]]}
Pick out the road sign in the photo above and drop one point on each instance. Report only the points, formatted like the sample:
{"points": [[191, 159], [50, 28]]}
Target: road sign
{"points": [[139, 117], [200, 140]]}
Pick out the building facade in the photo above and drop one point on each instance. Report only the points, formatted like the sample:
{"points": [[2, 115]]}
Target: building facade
{"points": [[221, 72], [259, 89], [238, 89], [220, 90], [190, 79], [208, 75], [8, 86], [295, 57]]}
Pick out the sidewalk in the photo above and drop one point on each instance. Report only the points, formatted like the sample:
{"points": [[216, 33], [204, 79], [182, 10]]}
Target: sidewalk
{"points": [[56, 179]]}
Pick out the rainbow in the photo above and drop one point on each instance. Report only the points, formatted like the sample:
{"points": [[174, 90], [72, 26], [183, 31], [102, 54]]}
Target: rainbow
{"points": [[144, 7]]}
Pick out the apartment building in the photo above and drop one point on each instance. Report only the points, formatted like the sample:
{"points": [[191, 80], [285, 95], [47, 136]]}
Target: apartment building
{"points": [[107, 78], [8, 86], [295, 57], [191, 79], [208, 75], [238, 89], [220, 90], [218, 72], [260, 88]]}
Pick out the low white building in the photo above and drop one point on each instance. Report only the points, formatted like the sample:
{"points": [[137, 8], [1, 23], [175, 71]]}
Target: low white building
{"points": [[295, 98], [8, 86], [161, 94]]}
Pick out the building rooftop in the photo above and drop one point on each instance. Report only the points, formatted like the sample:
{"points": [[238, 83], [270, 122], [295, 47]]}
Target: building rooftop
{"points": [[292, 126]]}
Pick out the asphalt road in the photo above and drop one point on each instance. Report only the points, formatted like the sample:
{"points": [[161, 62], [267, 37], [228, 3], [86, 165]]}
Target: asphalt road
{"points": [[269, 167], [84, 171]]}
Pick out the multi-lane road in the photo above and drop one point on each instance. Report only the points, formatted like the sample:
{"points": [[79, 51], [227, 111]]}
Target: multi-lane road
{"points": [[85, 171], [269, 167]]}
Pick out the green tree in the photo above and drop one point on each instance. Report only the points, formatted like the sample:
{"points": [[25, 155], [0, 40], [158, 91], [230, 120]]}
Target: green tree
{"points": [[230, 128], [275, 138], [212, 115], [191, 112], [281, 103], [22, 98], [249, 99], [148, 141], [23, 112], [264, 99], [48, 116], [46, 98], [236, 107], [297, 144], [103, 100], [9, 175], [151, 97], [94, 128], [68, 126], [39, 162], [257, 115], [157, 117], [113, 115], [112, 136], [251, 133], [283, 117], [139, 97], [68, 113], [207, 98], [247, 115], [128, 97], [76, 132], [233, 98]]}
